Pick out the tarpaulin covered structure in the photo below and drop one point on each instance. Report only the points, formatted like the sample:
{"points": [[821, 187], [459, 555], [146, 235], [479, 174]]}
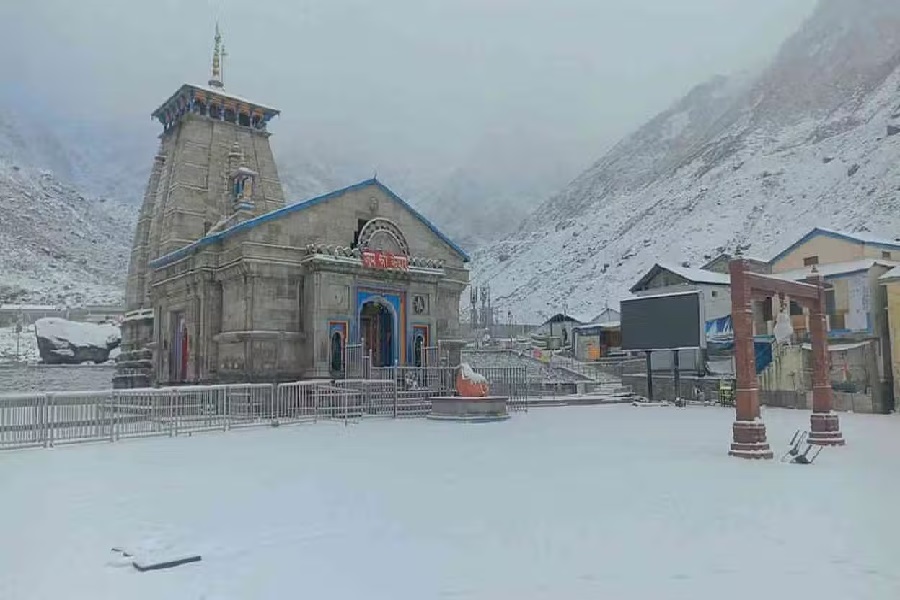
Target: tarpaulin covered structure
{"points": [[720, 345]]}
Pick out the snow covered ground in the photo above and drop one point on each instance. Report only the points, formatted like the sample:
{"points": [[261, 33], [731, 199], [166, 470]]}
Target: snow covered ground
{"points": [[600, 502]]}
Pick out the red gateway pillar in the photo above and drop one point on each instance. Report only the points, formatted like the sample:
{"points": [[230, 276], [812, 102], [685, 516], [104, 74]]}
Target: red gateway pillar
{"points": [[748, 430], [825, 428]]}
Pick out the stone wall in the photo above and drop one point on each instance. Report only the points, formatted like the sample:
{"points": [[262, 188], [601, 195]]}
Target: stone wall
{"points": [[789, 371], [843, 401], [664, 389], [892, 292], [664, 386]]}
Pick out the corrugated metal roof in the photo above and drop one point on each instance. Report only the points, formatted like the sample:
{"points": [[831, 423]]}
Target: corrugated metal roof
{"points": [[890, 275], [692, 275], [842, 269], [861, 237]]}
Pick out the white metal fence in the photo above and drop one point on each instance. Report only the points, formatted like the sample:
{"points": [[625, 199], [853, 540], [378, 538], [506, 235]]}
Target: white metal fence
{"points": [[34, 420]]}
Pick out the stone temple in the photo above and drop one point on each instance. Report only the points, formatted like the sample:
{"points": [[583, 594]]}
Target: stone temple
{"points": [[228, 283]]}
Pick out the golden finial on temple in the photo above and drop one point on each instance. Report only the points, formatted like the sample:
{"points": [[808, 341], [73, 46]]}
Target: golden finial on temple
{"points": [[216, 80]]}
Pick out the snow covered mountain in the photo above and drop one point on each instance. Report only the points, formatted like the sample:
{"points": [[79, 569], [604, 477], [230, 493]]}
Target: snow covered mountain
{"points": [[754, 161], [69, 197], [504, 177], [56, 245]]}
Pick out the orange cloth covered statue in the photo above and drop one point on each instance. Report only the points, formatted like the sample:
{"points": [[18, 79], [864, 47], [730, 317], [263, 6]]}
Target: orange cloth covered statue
{"points": [[470, 384]]}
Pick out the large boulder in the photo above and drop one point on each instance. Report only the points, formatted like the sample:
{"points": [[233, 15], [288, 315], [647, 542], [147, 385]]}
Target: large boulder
{"points": [[63, 342]]}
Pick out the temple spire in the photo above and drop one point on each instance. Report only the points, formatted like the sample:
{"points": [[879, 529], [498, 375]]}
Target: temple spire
{"points": [[218, 51], [222, 57]]}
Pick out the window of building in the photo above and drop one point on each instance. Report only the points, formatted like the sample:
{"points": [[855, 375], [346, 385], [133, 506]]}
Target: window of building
{"points": [[810, 261], [830, 303], [360, 223], [885, 255], [837, 321], [419, 351], [337, 353], [767, 310], [715, 294], [796, 309]]}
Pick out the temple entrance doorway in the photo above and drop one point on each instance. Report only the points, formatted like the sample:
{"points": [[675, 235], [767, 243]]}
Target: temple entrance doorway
{"points": [[376, 324]]}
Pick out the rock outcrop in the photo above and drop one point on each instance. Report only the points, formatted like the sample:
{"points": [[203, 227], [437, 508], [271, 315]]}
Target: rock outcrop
{"points": [[62, 342]]}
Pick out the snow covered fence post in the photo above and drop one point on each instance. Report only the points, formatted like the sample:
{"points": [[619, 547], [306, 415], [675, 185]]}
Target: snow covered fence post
{"points": [[315, 394], [48, 424], [173, 413], [226, 408], [395, 386], [115, 402], [43, 420]]}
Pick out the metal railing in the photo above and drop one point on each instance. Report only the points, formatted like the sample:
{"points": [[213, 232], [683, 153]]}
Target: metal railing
{"points": [[357, 362], [34, 420]]}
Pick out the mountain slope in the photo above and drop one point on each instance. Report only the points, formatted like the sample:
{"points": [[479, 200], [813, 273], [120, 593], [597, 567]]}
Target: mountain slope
{"points": [[755, 161], [69, 196], [57, 246]]}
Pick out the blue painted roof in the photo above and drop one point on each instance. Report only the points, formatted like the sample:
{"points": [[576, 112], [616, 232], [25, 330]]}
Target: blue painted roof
{"points": [[857, 238], [298, 206]]}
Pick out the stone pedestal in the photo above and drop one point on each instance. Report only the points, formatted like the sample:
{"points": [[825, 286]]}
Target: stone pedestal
{"points": [[470, 410], [750, 440], [825, 430]]}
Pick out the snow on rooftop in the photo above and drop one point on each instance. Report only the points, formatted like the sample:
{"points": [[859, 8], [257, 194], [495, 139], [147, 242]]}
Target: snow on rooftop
{"points": [[606, 325], [222, 92], [558, 504], [892, 274], [217, 92], [865, 237], [663, 295], [696, 275], [836, 269]]}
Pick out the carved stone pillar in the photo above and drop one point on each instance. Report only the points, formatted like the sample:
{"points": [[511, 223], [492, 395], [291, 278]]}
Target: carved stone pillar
{"points": [[748, 430], [825, 428]]}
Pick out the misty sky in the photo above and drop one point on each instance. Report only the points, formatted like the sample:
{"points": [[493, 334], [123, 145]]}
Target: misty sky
{"points": [[426, 83]]}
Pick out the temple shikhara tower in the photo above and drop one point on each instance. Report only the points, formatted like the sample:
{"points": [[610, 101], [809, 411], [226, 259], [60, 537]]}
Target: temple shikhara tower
{"points": [[229, 283]]}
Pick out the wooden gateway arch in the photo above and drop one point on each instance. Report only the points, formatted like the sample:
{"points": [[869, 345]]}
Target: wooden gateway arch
{"points": [[749, 430]]}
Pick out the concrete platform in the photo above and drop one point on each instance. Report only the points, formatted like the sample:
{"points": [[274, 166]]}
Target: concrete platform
{"points": [[470, 410]]}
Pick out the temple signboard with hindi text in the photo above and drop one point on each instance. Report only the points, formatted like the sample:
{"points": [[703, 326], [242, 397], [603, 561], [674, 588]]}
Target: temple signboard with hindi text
{"points": [[378, 259]]}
